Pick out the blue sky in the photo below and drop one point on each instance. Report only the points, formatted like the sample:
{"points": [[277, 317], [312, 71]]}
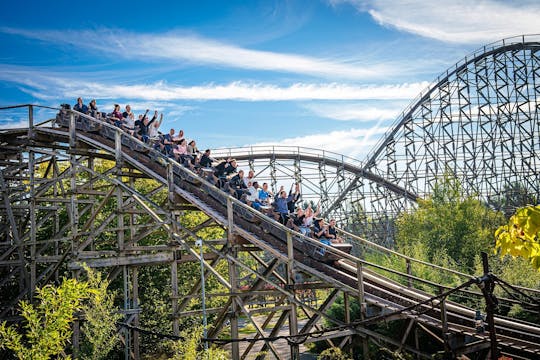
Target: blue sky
{"points": [[328, 74]]}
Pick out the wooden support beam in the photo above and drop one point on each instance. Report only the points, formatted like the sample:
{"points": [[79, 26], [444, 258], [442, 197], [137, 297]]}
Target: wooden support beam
{"points": [[148, 259]]}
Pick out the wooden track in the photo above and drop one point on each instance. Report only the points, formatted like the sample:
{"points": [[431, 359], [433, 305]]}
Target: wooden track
{"points": [[381, 295]]}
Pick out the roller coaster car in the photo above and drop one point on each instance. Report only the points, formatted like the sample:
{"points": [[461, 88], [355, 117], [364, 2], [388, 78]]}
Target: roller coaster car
{"points": [[81, 123], [329, 257]]}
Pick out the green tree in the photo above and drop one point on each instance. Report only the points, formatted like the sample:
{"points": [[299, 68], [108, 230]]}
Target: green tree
{"points": [[190, 347], [333, 353], [449, 222], [48, 324], [100, 314]]}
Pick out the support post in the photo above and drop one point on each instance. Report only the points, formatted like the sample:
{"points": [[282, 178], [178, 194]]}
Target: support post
{"points": [[125, 273], [444, 321], [409, 273], [487, 291], [135, 297], [174, 290], [199, 243], [30, 121], [363, 307], [32, 215], [293, 319], [347, 306], [233, 280]]}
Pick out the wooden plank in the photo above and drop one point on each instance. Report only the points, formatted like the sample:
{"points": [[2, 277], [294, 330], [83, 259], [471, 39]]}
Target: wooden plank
{"points": [[150, 259]]}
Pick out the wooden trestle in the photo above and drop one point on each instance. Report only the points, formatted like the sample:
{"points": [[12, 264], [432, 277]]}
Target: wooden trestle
{"points": [[53, 180]]}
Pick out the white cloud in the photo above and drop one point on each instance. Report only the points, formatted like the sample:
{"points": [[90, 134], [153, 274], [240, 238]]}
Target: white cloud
{"points": [[357, 112], [41, 85], [355, 143], [14, 123], [197, 50], [458, 21]]}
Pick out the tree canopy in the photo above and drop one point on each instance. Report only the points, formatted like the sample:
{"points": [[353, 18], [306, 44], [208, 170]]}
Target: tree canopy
{"points": [[449, 222]]}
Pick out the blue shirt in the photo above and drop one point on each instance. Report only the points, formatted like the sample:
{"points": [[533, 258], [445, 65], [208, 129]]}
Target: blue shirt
{"points": [[281, 204]]}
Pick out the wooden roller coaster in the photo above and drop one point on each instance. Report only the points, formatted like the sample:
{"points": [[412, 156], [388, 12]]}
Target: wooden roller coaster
{"points": [[67, 147]]}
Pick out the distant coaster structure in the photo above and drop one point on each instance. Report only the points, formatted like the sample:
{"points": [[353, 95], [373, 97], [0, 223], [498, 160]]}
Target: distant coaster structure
{"points": [[478, 121]]}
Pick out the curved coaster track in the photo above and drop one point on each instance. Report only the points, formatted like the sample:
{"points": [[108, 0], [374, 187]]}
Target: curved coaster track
{"points": [[58, 176], [478, 121]]}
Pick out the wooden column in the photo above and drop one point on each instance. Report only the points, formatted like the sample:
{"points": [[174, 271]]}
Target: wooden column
{"points": [[32, 215], [363, 306], [233, 280], [293, 319], [135, 297]]}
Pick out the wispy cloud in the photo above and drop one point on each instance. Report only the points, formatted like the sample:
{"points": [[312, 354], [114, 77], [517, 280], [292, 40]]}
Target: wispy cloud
{"points": [[193, 49], [355, 143], [458, 21], [51, 86], [357, 112]]}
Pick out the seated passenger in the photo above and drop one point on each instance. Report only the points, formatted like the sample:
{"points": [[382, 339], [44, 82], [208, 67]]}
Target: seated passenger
{"points": [[80, 106], [250, 178], [206, 161], [128, 112], [320, 231], [180, 136], [116, 117], [144, 126], [138, 123], [296, 196], [223, 170], [153, 131], [253, 196], [193, 152], [265, 195], [129, 124], [310, 215], [237, 187], [93, 109], [298, 222], [332, 232], [180, 153], [280, 206], [167, 143]]}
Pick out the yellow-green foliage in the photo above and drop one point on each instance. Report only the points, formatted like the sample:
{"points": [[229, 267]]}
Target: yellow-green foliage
{"points": [[48, 324], [333, 353], [191, 348], [520, 236], [101, 316]]}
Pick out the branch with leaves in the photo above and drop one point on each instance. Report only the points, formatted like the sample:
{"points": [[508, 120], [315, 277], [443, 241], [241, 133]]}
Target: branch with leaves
{"points": [[520, 237]]}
